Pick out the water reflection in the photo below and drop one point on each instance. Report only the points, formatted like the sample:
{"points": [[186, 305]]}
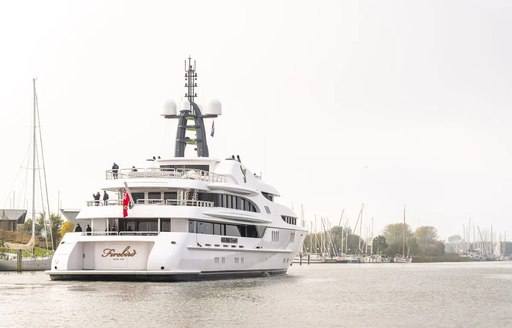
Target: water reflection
{"points": [[380, 295]]}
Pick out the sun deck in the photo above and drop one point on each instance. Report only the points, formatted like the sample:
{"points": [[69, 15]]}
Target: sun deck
{"points": [[164, 173]]}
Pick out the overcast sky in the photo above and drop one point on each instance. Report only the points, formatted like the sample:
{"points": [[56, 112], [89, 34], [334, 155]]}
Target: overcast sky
{"points": [[336, 103]]}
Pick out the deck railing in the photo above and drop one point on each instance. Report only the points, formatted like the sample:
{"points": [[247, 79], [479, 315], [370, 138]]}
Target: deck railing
{"points": [[165, 173], [172, 202], [120, 233]]}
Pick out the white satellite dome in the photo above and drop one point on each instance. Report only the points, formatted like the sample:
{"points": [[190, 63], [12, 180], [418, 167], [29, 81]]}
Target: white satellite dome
{"points": [[169, 108], [214, 107]]}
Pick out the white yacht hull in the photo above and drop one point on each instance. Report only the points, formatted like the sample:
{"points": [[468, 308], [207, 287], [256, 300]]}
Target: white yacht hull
{"points": [[168, 256]]}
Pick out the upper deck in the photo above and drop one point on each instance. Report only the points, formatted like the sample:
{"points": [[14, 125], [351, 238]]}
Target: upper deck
{"points": [[164, 173]]}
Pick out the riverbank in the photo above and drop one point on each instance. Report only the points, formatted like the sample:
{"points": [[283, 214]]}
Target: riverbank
{"points": [[449, 257]]}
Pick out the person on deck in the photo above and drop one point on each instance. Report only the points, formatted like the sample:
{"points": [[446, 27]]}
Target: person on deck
{"points": [[115, 169], [105, 197], [96, 197], [78, 228], [88, 230]]}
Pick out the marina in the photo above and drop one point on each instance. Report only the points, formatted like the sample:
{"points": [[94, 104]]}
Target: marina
{"points": [[256, 164], [12, 258]]}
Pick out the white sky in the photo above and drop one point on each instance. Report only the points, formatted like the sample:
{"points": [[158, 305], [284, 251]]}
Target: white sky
{"points": [[337, 103]]}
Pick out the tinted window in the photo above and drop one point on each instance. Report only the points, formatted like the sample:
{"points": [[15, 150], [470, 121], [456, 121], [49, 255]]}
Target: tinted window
{"points": [[205, 227], [232, 230], [137, 195], [154, 195]]}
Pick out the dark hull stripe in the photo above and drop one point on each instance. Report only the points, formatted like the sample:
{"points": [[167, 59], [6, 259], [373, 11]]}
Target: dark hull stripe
{"points": [[214, 275]]}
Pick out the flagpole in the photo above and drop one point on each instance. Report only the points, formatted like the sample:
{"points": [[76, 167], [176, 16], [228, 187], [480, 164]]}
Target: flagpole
{"points": [[129, 194]]}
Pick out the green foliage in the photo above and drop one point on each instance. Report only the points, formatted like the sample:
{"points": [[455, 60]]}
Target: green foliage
{"points": [[68, 226], [448, 257], [412, 247], [454, 239], [27, 226], [393, 249], [425, 235], [393, 232], [379, 245], [49, 229], [436, 249]]}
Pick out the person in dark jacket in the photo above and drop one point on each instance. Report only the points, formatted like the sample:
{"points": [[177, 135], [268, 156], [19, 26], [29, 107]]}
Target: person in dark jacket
{"points": [[78, 228], [115, 169], [105, 197], [96, 197]]}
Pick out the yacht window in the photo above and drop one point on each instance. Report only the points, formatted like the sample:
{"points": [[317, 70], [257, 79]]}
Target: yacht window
{"points": [[251, 231], [154, 195], [137, 195], [148, 225], [192, 226], [261, 231], [125, 225], [229, 240], [218, 229], [267, 209], [268, 196], [165, 225], [170, 195], [232, 230], [185, 166], [205, 228]]}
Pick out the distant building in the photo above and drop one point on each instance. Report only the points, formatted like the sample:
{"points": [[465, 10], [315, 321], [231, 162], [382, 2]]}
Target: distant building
{"points": [[9, 219]]}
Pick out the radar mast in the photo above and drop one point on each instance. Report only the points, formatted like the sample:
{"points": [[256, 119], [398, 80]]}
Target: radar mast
{"points": [[190, 118]]}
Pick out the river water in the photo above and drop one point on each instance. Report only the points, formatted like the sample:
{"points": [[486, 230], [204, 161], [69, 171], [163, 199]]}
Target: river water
{"points": [[316, 295]]}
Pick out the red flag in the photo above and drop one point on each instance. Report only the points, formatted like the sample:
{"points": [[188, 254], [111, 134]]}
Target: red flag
{"points": [[126, 203]]}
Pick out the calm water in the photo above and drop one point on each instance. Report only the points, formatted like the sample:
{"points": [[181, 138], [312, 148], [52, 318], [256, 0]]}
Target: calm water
{"points": [[318, 295]]}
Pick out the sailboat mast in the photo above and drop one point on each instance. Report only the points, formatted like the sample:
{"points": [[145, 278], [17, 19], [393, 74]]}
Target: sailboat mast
{"points": [[403, 236], [34, 165]]}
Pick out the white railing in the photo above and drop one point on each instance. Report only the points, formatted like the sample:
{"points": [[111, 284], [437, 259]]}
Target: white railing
{"points": [[172, 202], [120, 233], [105, 203], [165, 173]]}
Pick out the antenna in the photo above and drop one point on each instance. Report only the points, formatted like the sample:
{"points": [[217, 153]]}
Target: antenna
{"points": [[190, 118], [191, 78]]}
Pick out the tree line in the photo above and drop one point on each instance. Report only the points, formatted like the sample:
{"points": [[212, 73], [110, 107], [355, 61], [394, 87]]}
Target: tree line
{"points": [[51, 229], [396, 238]]}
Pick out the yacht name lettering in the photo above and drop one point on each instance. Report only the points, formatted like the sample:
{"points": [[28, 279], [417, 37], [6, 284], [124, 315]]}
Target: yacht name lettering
{"points": [[111, 252]]}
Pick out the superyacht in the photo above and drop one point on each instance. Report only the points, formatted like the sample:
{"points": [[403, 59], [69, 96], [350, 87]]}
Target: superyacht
{"points": [[182, 217]]}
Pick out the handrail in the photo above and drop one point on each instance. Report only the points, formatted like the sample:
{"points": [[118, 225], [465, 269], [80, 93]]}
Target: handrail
{"points": [[120, 233], [172, 202], [164, 173]]}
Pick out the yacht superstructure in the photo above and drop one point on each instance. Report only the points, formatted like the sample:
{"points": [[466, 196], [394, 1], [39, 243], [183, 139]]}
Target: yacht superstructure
{"points": [[182, 218]]}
